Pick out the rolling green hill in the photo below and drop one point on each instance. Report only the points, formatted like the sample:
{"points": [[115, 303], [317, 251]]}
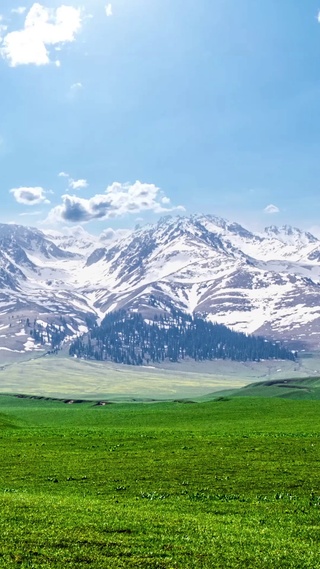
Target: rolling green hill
{"points": [[306, 388]]}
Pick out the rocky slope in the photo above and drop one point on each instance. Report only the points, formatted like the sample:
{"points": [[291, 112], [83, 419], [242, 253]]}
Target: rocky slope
{"points": [[267, 283]]}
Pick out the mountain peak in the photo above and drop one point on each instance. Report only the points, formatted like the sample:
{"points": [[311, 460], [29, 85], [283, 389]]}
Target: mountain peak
{"points": [[201, 264], [290, 235]]}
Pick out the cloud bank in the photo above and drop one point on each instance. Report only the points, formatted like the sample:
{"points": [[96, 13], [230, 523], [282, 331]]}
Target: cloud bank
{"points": [[118, 200]]}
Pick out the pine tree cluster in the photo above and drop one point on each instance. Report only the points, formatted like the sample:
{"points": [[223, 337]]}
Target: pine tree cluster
{"points": [[50, 335], [128, 338]]}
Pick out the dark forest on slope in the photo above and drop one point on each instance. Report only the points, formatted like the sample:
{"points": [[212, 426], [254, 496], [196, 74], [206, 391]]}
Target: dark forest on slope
{"points": [[125, 337]]}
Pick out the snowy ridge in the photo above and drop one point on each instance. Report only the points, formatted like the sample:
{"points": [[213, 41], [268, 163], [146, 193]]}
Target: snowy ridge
{"points": [[266, 283]]}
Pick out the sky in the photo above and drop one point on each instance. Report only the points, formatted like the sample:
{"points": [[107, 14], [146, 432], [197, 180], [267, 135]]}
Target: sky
{"points": [[117, 113]]}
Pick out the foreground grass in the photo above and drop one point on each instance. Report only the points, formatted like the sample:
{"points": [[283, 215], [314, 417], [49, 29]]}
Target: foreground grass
{"points": [[226, 484]]}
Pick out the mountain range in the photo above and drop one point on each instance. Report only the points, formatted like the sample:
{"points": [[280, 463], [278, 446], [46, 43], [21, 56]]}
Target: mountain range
{"points": [[264, 283]]}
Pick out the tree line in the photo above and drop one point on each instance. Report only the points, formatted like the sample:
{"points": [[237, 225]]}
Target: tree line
{"points": [[127, 337]]}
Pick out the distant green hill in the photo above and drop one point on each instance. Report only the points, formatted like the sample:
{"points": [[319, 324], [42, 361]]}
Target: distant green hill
{"points": [[306, 388]]}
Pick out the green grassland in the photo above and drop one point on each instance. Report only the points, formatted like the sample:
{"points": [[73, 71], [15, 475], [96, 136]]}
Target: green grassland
{"points": [[60, 376], [299, 389], [67, 377], [231, 483]]}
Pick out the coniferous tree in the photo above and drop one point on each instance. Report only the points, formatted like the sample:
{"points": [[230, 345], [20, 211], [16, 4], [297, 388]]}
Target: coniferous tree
{"points": [[125, 337]]}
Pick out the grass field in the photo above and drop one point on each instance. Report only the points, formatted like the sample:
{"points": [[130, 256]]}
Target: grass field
{"points": [[59, 377], [66, 377], [220, 484], [299, 389]]}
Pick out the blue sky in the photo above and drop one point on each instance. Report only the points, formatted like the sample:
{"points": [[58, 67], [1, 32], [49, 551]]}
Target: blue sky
{"points": [[148, 107]]}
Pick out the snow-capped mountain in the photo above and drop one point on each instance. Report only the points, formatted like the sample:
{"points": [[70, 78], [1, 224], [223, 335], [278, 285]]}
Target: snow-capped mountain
{"points": [[290, 235], [253, 283], [75, 240], [266, 283]]}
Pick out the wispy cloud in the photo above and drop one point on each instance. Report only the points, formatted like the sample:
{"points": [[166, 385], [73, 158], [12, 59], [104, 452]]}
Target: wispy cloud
{"points": [[74, 90], [78, 184], [118, 200], [315, 230], [109, 10], [76, 86], [30, 196], [43, 28], [271, 209], [3, 28], [110, 234], [20, 10], [30, 213]]}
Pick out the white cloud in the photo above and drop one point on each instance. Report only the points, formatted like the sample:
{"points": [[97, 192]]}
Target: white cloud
{"points": [[74, 184], [3, 29], [109, 235], [74, 90], [30, 213], [30, 196], [118, 199], [43, 27], [76, 86], [20, 10], [109, 11], [314, 230], [271, 209], [78, 184], [3, 146]]}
